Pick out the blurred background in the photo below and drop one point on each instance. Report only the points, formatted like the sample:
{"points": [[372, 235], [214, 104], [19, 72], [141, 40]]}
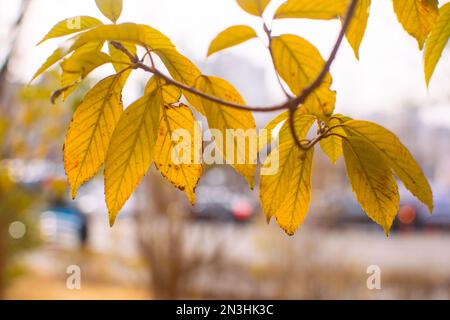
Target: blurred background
{"points": [[221, 248]]}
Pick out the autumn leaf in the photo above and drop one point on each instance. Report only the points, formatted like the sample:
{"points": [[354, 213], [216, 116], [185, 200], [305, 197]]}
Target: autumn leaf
{"points": [[396, 156], [71, 26], [224, 118], [286, 194], [372, 181], [80, 65], [112, 9], [131, 151], [138, 34], [266, 135], [185, 172], [357, 29], [182, 70], [254, 7], [332, 145], [417, 17], [437, 41], [53, 59], [307, 9], [91, 129], [299, 63], [231, 37]]}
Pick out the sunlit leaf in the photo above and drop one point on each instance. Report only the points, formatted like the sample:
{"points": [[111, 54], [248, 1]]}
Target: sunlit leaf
{"points": [[91, 129], [417, 17], [254, 7], [112, 9], [396, 155], [138, 34], [80, 65], [332, 146], [182, 70], [307, 9], [286, 192], [224, 118], [131, 151], [299, 63], [357, 28], [437, 41], [70, 26], [372, 181], [231, 37], [185, 172]]}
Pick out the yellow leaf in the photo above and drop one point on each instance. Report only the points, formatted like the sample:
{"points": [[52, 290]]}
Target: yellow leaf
{"points": [[266, 135], [372, 181], [417, 17], [286, 193], [254, 7], [231, 37], [138, 34], [396, 155], [182, 70], [112, 9], [357, 29], [242, 156], [185, 172], [299, 63], [332, 146], [70, 26], [307, 9], [120, 59], [437, 41], [80, 65], [171, 94], [131, 151], [91, 129], [54, 58]]}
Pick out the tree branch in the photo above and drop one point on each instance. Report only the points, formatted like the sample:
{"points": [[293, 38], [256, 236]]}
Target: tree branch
{"points": [[292, 104]]}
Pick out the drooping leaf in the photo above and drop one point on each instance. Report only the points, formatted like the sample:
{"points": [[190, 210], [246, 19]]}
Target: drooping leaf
{"points": [[417, 17], [307, 9], [131, 151], [185, 172], [119, 59], [437, 41], [112, 9], [225, 118], [266, 135], [332, 146], [254, 7], [71, 26], [91, 129], [138, 34], [396, 155], [299, 63], [286, 192], [231, 37], [357, 28], [372, 181]]}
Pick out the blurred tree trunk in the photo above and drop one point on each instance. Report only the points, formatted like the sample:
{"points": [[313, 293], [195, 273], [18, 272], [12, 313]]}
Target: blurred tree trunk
{"points": [[5, 112], [5, 68]]}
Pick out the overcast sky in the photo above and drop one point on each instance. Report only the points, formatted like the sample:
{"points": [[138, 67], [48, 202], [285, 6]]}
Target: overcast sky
{"points": [[389, 74]]}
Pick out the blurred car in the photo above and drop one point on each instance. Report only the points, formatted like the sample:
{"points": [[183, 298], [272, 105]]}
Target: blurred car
{"points": [[412, 216], [223, 196]]}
